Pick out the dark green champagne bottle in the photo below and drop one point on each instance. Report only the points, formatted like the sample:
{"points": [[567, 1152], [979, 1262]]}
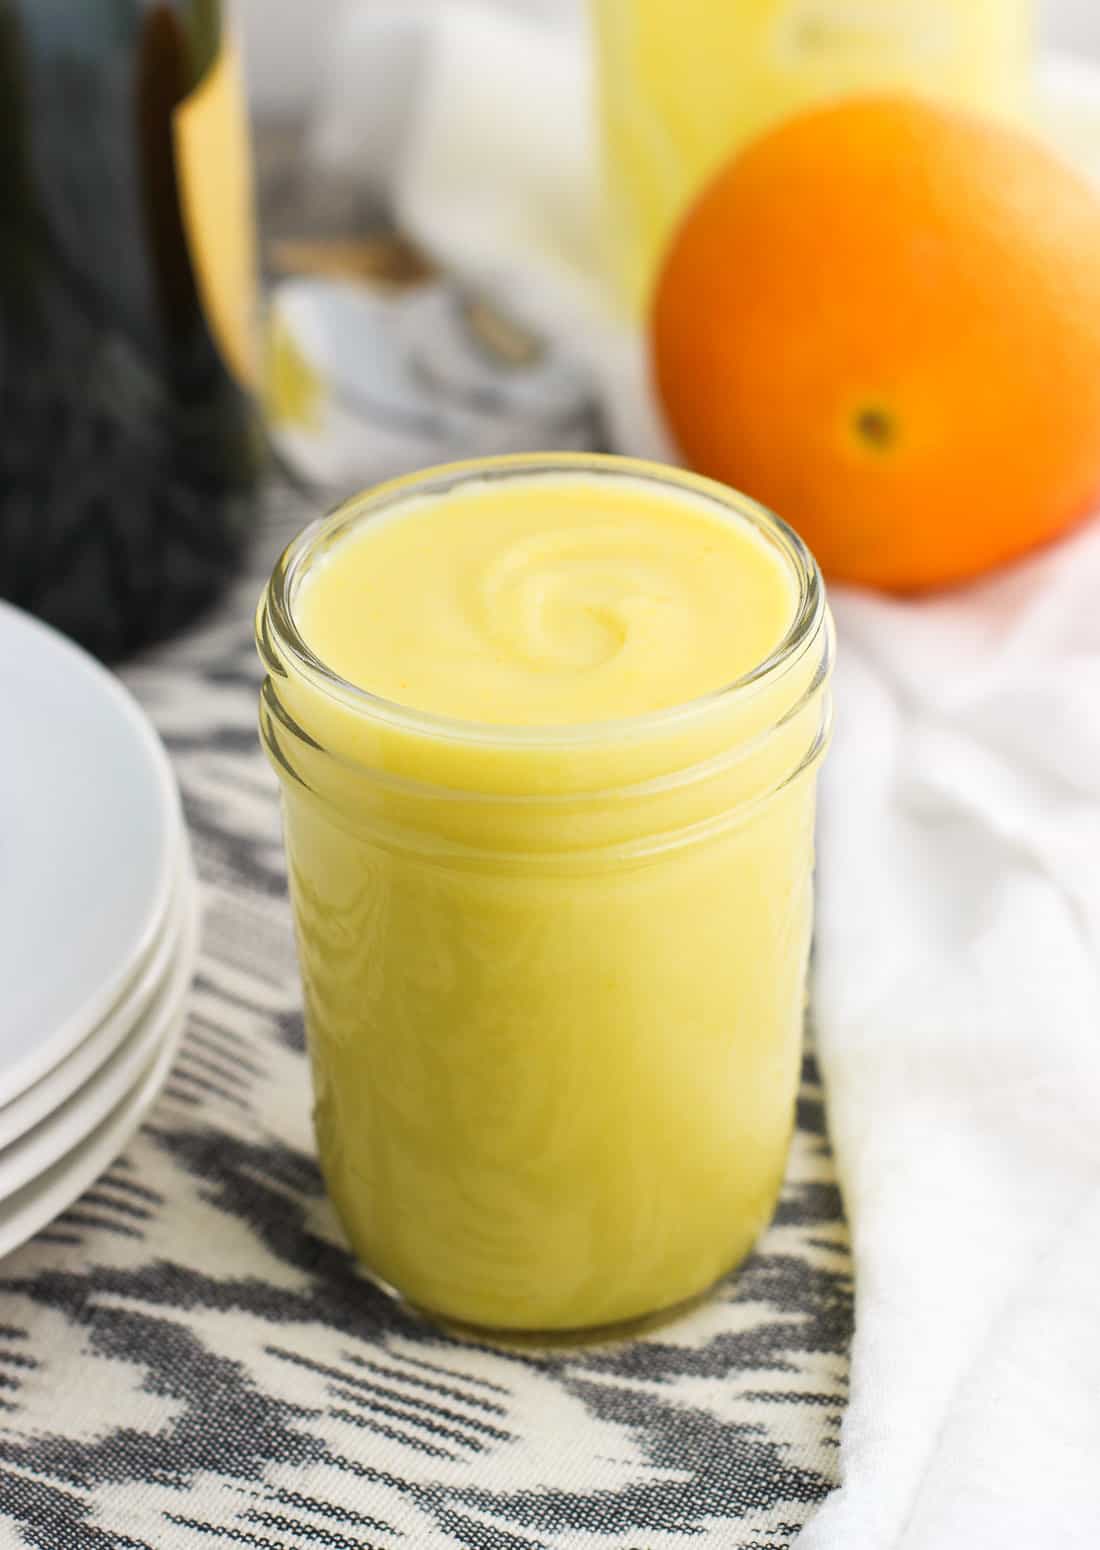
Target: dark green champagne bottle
{"points": [[129, 436]]}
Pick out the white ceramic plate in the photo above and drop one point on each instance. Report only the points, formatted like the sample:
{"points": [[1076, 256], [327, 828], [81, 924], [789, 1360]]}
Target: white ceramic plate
{"points": [[55, 1135], [90, 830], [121, 1024], [37, 1203], [51, 1090]]}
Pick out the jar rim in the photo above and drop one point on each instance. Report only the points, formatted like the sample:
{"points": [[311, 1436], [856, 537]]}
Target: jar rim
{"points": [[280, 640]]}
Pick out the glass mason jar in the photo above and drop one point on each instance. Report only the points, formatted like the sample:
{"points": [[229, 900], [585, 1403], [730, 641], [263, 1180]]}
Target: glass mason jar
{"points": [[681, 87], [554, 976]]}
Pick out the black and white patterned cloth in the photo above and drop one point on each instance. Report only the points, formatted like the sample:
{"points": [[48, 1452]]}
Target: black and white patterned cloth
{"points": [[189, 1356]]}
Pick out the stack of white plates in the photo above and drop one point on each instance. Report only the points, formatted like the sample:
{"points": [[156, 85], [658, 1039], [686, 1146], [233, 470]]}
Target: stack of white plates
{"points": [[98, 922]]}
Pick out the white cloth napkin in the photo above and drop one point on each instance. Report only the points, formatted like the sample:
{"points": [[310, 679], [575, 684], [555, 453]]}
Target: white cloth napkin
{"points": [[958, 960], [958, 1007]]}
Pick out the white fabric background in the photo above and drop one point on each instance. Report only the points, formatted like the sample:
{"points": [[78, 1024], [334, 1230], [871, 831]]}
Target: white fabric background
{"points": [[285, 40]]}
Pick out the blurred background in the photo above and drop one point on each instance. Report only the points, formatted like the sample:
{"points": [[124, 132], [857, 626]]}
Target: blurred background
{"points": [[457, 257], [285, 41]]}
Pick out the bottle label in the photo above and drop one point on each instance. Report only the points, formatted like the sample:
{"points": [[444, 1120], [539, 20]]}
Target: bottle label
{"points": [[214, 168]]}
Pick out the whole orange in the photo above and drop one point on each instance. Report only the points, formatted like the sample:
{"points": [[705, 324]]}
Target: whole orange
{"points": [[883, 321]]}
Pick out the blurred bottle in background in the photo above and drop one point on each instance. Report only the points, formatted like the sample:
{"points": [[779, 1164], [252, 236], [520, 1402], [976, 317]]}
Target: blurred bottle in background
{"points": [[682, 85], [129, 440]]}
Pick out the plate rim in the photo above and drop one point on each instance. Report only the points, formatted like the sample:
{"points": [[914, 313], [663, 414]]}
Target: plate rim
{"points": [[43, 1056], [62, 1184], [59, 1131], [59, 1085]]}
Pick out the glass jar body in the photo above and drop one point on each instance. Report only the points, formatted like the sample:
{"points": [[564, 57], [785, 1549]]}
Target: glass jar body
{"points": [[554, 1019]]}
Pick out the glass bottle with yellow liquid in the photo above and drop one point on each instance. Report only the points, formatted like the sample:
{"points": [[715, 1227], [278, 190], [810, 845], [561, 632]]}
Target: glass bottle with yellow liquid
{"points": [[682, 85]]}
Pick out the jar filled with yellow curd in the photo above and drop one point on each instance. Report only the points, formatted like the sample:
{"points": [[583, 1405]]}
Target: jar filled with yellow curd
{"points": [[547, 730]]}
